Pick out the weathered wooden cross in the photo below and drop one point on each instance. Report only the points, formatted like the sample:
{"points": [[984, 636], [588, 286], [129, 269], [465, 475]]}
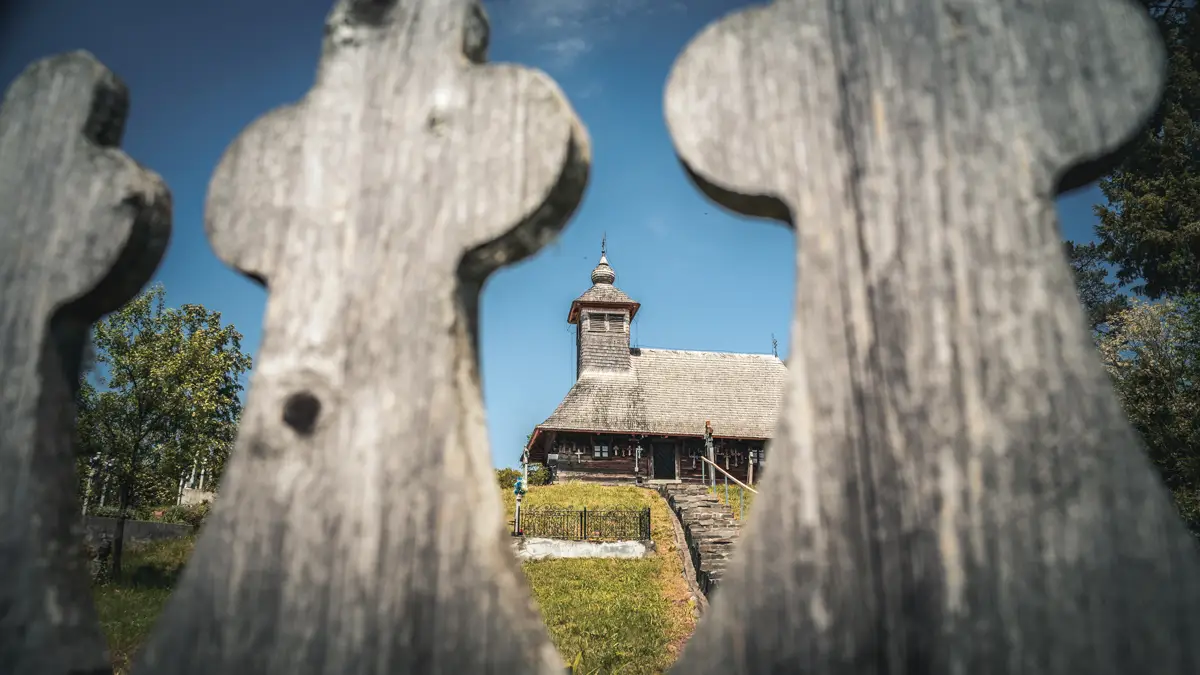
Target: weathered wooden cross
{"points": [[954, 488], [82, 228]]}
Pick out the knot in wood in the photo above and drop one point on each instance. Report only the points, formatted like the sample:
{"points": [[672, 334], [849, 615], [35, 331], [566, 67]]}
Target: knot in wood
{"points": [[300, 412]]}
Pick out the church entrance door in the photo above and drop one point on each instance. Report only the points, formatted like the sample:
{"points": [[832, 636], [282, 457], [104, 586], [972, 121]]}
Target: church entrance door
{"points": [[664, 461]]}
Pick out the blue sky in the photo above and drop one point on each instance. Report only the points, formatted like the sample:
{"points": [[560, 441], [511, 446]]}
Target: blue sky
{"points": [[201, 71]]}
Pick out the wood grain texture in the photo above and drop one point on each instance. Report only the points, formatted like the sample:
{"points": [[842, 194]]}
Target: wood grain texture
{"points": [[953, 486], [359, 528], [82, 228]]}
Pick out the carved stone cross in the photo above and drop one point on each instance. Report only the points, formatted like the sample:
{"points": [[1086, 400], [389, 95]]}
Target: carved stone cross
{"points": [[359, 528], [953, 486], [82, 228]]}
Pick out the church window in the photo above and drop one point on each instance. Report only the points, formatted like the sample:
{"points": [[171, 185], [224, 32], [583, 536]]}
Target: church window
{"points": [[597, 322], [600, 322]]}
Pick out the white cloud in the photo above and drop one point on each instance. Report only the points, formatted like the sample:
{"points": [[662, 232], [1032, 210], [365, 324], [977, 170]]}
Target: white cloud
{"points": [[569, 29], [589, 90], [567, 50]]}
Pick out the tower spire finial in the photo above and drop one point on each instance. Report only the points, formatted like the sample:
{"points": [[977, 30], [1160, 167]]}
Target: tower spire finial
{"points": [[603, 274]]}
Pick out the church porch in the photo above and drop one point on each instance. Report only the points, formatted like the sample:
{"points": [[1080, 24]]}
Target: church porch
{"points": [[643, 458]]}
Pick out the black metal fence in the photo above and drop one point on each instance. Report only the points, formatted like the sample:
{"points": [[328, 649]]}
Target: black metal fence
{"points": [[582, 524]]}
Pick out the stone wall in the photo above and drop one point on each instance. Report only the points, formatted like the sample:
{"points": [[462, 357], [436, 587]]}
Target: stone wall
{"points": [[97, 527]]}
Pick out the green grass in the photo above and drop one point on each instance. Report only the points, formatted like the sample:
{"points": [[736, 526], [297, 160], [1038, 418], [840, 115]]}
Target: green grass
{"points": [[606, 610], [579, 495], [129, 606], [627, 617]]}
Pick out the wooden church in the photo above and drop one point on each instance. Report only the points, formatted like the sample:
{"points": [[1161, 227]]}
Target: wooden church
{"points": [[640, 414]]}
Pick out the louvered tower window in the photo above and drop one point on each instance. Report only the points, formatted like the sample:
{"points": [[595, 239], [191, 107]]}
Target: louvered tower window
{"points": [[600, 322]]}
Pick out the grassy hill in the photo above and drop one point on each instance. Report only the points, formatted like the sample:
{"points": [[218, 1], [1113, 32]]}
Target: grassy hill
{"points": [[618, 616]]}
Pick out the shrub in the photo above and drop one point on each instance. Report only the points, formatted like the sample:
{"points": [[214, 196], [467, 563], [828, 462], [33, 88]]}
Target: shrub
{"points": [[507, 478], [106, 511], [186, 514], [539, 475]]}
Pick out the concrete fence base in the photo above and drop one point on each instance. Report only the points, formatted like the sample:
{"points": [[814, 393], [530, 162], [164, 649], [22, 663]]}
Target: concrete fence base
{"points": [[537, 548], [100, 527]]}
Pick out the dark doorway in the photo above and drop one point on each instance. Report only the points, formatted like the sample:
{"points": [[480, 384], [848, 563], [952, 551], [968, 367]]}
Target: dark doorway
{"points": [[664, 461]]}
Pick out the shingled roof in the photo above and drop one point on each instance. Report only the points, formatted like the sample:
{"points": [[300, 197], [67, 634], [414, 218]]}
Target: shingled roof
{"points": [[602, 292], [605, 294], [674, 392]]}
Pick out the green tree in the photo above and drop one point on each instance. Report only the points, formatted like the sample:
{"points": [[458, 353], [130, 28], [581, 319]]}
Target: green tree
{"points": [[1150, 227], [166, 397], [1100, 297], [1152, 352]]}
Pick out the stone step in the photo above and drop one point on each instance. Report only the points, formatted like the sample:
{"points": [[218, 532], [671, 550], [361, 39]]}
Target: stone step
{"points": [[722, 524], [686, 488], [714, 550], [712, 564], [713, 534], [710, 529], [711, 515], [709, 521], [711, 545], [700, 496], [700, 504], [702, 509], [698, 507], [700, 533], [702, 512], [697, 497], [694, 504]]}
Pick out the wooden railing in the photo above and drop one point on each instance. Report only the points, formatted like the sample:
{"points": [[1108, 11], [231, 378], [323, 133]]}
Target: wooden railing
{"points": [[954, 487], [711, 482], [728, 476]]}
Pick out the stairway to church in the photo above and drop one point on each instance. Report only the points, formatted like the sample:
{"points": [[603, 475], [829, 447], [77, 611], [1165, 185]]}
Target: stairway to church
{"points": [[708, 526]]}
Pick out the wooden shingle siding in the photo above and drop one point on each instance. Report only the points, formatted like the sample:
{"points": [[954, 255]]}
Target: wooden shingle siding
{"points": [[603, 346]]}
